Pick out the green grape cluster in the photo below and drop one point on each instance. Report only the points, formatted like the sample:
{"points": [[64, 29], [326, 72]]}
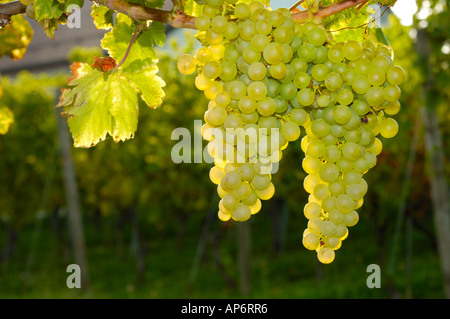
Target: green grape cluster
{"points": [[266, 77], [246, 68], [355, 87]]}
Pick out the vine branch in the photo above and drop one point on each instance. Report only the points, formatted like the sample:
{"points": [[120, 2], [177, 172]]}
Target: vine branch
{"points": [[178, 19], [9, 9], [327, 11]]}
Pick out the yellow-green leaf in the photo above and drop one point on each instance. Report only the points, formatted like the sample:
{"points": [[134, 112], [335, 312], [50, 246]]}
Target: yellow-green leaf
{"points": [[15, 37], [6, 119], [99, 104]]}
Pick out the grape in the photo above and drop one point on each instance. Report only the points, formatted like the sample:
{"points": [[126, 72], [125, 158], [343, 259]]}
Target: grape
{"points": [[376, 77], [203, 55], [361, 107], [320, 128], [244, 190], [216, 174], [299, 65], [345, 96], [352, 50], [299, 116], [216, 115], [260, 182], [213, 88], [335, 54], [223, 216], [382, 62], [319, 72], [325, 255], [276, 18], [230, 181], [327, 228], [392, 108], [363, 67], [333, 81], [311, 241], [306, 97], [288, 91], [321, 191], [278, 71], [213, 37], [202, 23], [242, 212], [329, 172], [219, 24], [247, 30], [229, 201], [396, 75], [290, 131], [351, 151], [388, 128], [249, 55], [212, 69], [332, 154], [342, 114], [263, 27], [361, 84], [267, 106], [351, 219], [314, 225], [273, 53], [232, 121], [308, 52], [267, 122], [186, 64], [266, 193], [237, 89], [392, 93], [375, 96], [257, 90], [242, 11]]}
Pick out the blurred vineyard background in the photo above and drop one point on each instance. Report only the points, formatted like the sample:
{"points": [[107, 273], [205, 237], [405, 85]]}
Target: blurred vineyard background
{"points": [[150, 226]]}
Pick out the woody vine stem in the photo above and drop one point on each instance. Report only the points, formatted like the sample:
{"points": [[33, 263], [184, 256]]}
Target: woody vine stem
{"points": [[176, 18]]}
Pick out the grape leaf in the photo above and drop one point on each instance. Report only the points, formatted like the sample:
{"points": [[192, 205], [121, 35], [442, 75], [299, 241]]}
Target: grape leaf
{"points": [[376, 35], [106, 103], [48, 9], [145, 80], [102, 16], [6, 119], [100, 103], [15, 37], [157, 31], [356, 25], [192, 7], [117, 40], [349, 24], [50, 13]]}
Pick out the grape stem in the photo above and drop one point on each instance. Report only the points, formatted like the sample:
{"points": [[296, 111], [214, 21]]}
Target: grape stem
{"points": [[9, 9], [136, 34], [178, 19], [295, 5]]}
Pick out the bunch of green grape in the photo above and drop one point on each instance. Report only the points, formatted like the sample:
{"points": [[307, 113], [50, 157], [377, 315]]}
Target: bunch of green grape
{"points": [[355, 88], [266, 76], [246, 70]]}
